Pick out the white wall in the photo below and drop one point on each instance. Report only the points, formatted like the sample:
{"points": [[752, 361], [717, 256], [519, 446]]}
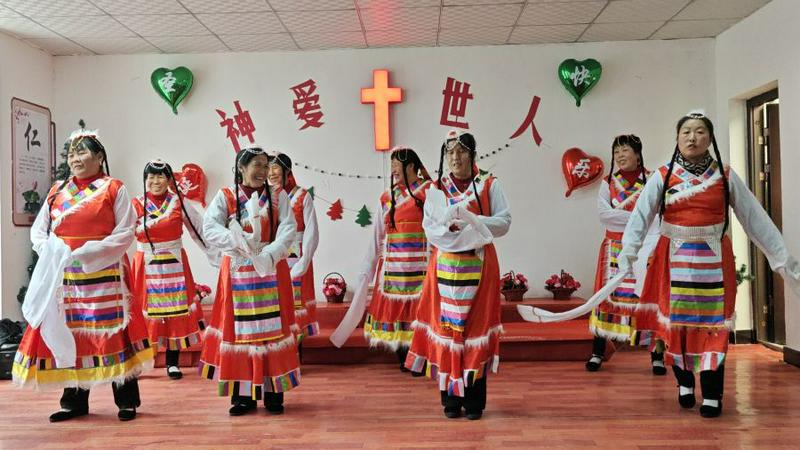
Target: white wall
{"points": [[646, 87], [750, 57], [27, 73]]}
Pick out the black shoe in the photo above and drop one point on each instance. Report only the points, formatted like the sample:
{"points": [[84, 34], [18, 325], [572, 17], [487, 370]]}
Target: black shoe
{"points": [[686, 401], [594, 366], [417, 374], [709, 412], [126, 414], [274, 409], [474, 415], [452, 413], [241, 409], [174, 372], [403, 368], [66, 414], [657, 362]]}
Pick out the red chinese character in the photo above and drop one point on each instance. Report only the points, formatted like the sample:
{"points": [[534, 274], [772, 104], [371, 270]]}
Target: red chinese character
{"points": [[454, 106], [528, 122], [233, 133], [244, 125], [244, 122], [306, 106]]}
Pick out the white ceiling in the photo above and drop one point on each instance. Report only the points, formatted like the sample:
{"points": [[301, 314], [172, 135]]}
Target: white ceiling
{"points": [[104, 27]]}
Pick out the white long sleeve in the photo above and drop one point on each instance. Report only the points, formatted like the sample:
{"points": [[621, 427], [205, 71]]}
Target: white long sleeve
{"points": [[760, 228], [39, 228], [310, 238], [366, 274], [499, 220], [95, 255], [278, 249], [215, 225], [611, 218], [640, 221]]}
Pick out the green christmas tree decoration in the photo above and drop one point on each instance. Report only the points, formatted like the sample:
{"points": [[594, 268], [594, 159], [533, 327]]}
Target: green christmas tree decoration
{"points": [[363, 217], [311, 192]]}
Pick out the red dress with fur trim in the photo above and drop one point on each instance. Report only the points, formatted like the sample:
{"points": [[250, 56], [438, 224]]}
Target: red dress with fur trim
{"points": [[453, 347], [163, 285], [305, 305], [400, 273], [249, 347], [110, 335], [690, 289]]}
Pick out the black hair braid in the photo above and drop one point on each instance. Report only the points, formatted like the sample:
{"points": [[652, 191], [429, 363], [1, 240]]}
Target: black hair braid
{"points": [[610, 176], [724, 183], [236, 176], [474, 185], [183, 206], [269, 211], [144, 215], [662, 205], [441, 166], [391, 204], [641, 166], [53, 200], [417, 165]]}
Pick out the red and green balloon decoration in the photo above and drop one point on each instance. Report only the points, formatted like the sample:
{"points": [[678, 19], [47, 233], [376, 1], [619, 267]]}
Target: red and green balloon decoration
{"points": [[579, 77], [580, 169], [172, 85]]}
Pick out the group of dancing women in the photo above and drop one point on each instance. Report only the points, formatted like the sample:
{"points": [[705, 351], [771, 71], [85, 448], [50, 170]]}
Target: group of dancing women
{"points": [[95, 318]]}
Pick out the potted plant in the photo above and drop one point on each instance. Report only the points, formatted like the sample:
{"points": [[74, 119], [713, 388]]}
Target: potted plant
{"points": [[562, 286], [513, 286]]}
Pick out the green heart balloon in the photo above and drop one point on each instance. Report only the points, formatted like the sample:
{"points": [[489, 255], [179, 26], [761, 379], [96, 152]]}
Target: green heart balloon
{"points": [[579, 77], [172, 84]]}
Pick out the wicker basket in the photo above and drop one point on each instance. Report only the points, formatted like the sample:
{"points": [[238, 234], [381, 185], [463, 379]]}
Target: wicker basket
{"points": [[514, 295], [334, 298], [562, 293]]}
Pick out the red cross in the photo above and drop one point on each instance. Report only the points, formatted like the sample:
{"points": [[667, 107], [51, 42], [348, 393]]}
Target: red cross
{"points": [[381, 95]]}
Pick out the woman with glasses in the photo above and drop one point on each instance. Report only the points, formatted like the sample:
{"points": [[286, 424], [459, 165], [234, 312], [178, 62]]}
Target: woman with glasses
{"points": [[614, 319], [249, 348], [457, 331], [398, 255]]}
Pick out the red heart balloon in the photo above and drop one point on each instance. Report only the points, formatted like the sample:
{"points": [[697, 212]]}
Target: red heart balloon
{"points": [[192, 182], [580, 169]]}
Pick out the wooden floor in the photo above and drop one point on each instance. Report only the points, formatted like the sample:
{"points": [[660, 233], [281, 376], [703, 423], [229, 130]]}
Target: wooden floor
{"points": [[531, 404]]}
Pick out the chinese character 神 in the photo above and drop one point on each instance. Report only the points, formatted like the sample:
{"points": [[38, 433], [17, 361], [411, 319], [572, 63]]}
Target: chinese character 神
{"points": [[454, 106], [31, 140], [528, 122], [581, 170], [306, 106], [244, 125]]}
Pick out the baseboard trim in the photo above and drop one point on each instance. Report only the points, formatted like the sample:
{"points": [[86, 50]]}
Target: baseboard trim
{"points": [[742, 337], [791, 356]]}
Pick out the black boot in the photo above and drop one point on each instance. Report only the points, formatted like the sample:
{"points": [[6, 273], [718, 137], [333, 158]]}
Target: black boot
{"points": [[241, 405], [475, 399], [711, 383], [452, 406], [127, 399], [402, 353], [273, 401], [657, 362], [598, 352], [74, 403], [685, 380], [173, 368]]}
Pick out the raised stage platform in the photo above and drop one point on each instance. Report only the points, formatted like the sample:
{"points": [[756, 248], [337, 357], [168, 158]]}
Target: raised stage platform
{"points": [[522, 341]]}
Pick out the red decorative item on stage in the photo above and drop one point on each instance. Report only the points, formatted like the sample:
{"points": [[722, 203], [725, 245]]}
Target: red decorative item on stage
{"points": [[334, 288], [513, 286], [562, 286], [580, 169], [192, 182]]}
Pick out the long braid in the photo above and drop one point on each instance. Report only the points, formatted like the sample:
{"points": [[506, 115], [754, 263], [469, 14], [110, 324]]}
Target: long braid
{"points": [[236, 176], [724, 183], [441, 166], [417, 164], [391, 205], [53, 200], [662, 205], [641, 166], [183, 206], [269, 211], [474, 185], [144, 215], [610, 176]]}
